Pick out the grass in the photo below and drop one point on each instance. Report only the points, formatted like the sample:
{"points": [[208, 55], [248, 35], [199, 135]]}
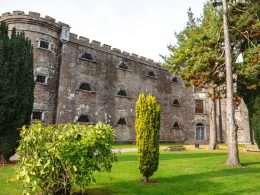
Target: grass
{"points": [[186, 172], [129, 145]]}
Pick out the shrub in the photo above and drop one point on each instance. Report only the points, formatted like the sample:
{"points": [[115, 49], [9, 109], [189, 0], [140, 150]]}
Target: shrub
{"points": [[147, 126], [55, 158]]}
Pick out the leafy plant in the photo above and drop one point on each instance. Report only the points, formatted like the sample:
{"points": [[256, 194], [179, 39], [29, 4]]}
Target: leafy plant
{"points": [[53, 159], [147, 126]]}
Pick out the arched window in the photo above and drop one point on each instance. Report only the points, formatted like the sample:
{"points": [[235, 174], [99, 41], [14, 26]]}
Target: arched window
{"points": [[83, 119], [122, 92], [86, 56], [151, 74], [176, 102], [176, 125], [200, 132], [85, 86], [174, 80], [123, 66], [122, 121]]}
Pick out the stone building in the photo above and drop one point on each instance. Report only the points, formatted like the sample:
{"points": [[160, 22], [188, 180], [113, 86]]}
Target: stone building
{"points": [[82, 81]]}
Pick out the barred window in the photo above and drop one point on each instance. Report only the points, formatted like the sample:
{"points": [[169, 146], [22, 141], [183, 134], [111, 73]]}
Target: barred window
{"points": [[37, 115], [41, 78], [44, 44]]}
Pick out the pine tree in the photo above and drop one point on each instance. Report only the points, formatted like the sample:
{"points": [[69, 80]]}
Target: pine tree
{"points": [[147, 134], [16, 88], [198, 56]]}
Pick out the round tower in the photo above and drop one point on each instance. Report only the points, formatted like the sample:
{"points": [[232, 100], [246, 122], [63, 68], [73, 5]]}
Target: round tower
{"points": [[46, 37]]}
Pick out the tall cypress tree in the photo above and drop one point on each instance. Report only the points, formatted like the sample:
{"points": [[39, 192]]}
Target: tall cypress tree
{"points": [[16, 88], [147, 126]]}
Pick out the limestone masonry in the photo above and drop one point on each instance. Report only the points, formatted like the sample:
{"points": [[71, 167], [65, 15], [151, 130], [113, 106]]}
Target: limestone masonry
{"points": [[82, 81]]}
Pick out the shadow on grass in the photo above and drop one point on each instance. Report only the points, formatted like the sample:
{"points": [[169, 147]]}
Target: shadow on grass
{"points": [[250, 163], [198, 183], [171, 155]]}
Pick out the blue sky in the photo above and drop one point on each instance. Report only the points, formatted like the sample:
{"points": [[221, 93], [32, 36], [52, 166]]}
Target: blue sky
{"points": [[144, 27]]}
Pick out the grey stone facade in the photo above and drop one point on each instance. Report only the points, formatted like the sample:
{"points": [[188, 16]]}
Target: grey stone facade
{"points": [[84, 80]]}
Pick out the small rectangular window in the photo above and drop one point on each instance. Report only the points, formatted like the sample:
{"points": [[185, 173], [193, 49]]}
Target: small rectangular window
{"points": [[37, 115], [44, 44], [41, 78], [199, 106]]}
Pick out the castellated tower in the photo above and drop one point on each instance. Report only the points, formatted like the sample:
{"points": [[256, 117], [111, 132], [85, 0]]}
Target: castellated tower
{"points": [[82, 81], [44, 34]]}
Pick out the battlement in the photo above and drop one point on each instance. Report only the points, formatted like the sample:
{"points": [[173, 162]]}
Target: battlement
{"points": [[31, 16], [36, 18], [107, 48]]}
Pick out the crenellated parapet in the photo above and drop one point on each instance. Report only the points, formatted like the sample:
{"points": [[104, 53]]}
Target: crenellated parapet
{"points": [[109, 49], [35, 18]]}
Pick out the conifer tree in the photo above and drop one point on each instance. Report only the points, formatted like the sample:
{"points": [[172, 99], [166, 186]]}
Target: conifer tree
{"points": [[147, 126], [16, 88], [198, 56]]}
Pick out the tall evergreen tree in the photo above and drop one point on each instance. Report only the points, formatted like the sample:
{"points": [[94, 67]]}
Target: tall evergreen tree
{"points": [[147, 125], [198, 56], [16, 88]]}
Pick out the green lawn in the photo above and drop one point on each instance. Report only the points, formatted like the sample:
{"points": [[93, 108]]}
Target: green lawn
{"points": [[186, 172]]}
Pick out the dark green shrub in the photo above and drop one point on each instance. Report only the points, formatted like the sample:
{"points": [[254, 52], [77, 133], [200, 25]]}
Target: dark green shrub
{"points": [[16, 88]]}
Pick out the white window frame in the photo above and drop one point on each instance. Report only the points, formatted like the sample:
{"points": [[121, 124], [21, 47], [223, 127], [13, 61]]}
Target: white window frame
{"points": [[49, 46], [42, 116], [205, 132], [41, 74]]}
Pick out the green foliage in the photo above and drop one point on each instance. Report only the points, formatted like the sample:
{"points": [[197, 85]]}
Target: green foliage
{"points": [[198, 56], [195, 57], [255, 121], [147, 127], [16, 88], [55, 158]]}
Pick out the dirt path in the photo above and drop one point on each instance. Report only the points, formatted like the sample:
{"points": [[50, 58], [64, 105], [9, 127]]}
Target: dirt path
{"points": [[119, 150]]}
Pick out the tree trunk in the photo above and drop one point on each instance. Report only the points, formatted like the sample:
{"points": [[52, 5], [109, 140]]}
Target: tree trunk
{"points": [[220, 121], [146, 179], [233, 159], [3, 159], [213, 145]]}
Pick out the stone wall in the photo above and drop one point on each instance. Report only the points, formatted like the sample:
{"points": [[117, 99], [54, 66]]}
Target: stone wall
{"points": [[62, 101]]}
